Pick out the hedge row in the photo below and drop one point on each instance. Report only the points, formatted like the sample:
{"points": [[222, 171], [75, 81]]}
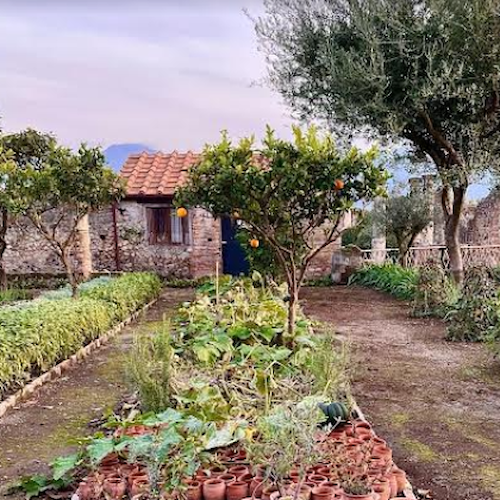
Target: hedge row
{"points": [[33, 338]]}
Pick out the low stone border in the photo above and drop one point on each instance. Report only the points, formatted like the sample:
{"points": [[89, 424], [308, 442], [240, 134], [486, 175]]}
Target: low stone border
{"points": [[55, 372], [408, 491]]}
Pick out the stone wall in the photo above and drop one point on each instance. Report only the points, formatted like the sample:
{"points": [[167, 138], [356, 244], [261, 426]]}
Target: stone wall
{"points": [[484, 225], [28, 252]]}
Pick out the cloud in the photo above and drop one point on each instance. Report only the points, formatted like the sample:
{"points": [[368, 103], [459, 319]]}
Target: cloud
{"points": [[170, 74]]}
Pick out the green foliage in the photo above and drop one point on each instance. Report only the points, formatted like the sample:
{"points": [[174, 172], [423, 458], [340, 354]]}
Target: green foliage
{"points": [[127, 293], [35, 336], [56, 187], [475, 315], [261, 259], [401, 70], [150, 368], [392, 278], [435, 292], [404, 218], [292, 195], [13, 294]]}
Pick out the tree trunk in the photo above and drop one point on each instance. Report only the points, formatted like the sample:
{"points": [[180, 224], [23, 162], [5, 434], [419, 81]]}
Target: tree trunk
{"points": [[83, 232], [452, 212], [292, 307], [3, 245], [403, 255], [73, 282]]}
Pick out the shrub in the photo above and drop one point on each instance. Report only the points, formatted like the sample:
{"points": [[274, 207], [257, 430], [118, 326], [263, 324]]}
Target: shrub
{"points": [[392, 278], [36, 335], [475, 315], [435, 292]]}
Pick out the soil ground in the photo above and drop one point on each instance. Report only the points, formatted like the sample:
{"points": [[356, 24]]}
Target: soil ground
{"points": [[50, 424], [436, 402]]}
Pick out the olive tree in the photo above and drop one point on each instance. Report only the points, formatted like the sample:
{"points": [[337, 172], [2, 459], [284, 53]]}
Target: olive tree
{"points": [[292, 195], [404, 217], [423, 71], [58, 193]]}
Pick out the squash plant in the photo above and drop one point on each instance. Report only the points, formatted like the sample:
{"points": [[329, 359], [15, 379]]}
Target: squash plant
{"points": [[292, 195]]}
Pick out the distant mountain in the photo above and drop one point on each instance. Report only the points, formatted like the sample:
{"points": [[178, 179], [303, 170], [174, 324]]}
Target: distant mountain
{"points": [[116, 154]]}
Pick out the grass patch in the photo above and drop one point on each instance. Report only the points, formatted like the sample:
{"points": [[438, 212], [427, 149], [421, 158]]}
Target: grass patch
{"points": [[420, 450], [489, 476], [399, 420]]}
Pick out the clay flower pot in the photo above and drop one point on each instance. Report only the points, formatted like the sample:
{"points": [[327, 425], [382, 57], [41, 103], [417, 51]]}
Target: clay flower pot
{"points": [[393, 483], [201, 476], [324, 471], [256, 487], [139, 488], [89, 489], [383, 488], [227, 478], [115, 487], [217, 471], [236, 490], [295, 476], [194, 491], [321, 493], [348, 496], [214, 489], [305, 492], [268, 491], [400, 476], [317, 479], [245, 477], [136, 476], [238, 470]]}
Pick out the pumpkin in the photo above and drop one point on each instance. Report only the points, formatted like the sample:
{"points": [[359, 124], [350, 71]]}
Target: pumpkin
{"points": [[254, 243], [339, 184], [182, 212]]}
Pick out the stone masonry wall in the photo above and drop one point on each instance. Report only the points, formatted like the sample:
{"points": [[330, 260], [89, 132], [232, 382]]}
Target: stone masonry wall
{"points": [[28, 252]]}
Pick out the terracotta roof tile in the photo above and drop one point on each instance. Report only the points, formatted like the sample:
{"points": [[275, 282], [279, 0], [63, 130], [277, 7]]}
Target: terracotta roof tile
{"points": [[156, 174]]}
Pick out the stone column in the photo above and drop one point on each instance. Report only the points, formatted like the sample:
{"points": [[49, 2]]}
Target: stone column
{"points": [[379, 235], [85, 252]]}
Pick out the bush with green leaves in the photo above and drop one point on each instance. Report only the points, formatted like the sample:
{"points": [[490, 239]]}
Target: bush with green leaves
{"points": [[37, 335], [392, 278], [435, 292], [476, 314]]}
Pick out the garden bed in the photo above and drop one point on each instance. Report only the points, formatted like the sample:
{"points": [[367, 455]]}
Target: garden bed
{"points": [[39, 334]]}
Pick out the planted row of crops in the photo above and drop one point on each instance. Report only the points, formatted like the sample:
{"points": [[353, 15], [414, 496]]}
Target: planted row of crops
{"points": [[36, 335]]}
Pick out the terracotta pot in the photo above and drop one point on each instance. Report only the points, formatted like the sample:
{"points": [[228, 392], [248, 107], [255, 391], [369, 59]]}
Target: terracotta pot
{"points": [[245, 477], [317, 479], [400, 476], [126, 469], [201, 476], [382, 451], [227, 478], [136, 476], [194, 491], [256, 487], [322, 493], [115, 487], [347, 496], [89, 489], [238, 470], [393, 483], [383, 488], [295, 476], [217, 470], [214, 489], [267, 492], [324, 471], [139, 488], [305, 492], [236, 490]]}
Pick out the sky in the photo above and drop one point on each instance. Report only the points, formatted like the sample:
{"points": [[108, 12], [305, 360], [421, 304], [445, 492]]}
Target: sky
{"points": [[167, 73]]}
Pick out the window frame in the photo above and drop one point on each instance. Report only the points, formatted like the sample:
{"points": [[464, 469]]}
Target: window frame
{"points": [[168, 208]]}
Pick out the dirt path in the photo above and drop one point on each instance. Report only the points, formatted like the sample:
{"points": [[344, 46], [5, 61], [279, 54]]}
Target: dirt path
{"points": [[49, 424], [437, 403]]}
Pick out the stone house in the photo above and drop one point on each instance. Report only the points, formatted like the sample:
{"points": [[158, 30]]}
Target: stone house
{"points": [[143, 232]]}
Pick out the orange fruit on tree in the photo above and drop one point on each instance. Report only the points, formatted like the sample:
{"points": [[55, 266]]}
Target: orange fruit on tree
{"points": [[339, 184], [254, 243], [182, 212]]}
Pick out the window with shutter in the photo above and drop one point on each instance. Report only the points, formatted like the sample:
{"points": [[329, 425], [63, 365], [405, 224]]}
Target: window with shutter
{"points": [[165, 228]]}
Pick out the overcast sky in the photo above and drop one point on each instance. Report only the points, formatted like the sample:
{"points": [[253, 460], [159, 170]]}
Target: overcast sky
{"points": [[167, 73]]}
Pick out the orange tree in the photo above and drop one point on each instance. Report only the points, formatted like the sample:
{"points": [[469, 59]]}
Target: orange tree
{"points": [[292, 195]]}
